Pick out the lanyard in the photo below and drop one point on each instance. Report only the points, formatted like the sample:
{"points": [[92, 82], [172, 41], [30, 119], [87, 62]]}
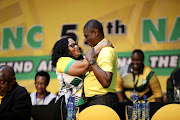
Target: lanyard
{"points": [[135, 83], [43, 98]]}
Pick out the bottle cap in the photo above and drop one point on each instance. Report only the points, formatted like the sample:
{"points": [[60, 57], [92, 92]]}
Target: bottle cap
{"points": [[136, 97], [144, 96], [71, 98]]}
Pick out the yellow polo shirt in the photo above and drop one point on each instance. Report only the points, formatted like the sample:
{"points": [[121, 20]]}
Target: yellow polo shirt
{"points": [[63, 64], [147, 83], [107, 61]]}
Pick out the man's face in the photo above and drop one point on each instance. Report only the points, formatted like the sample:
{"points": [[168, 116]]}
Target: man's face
{"points": [[137, 61], [5, 84], [90, 37]]}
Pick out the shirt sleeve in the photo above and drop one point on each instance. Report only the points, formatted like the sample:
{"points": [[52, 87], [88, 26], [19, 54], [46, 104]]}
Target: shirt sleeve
{"points": [[106, 59], [63, 64], [119, 84], [155, 86]]}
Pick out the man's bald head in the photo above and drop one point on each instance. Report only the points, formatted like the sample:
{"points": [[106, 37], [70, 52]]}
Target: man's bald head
{"points": [[7, 79], [94, 24], [8, 70]]}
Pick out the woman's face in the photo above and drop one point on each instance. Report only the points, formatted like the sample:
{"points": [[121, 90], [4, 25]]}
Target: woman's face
{"points": [[137, 61], [40, 84], [73, 48]]}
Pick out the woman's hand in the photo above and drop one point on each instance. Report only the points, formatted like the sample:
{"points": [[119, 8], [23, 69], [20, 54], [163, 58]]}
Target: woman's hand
{"points": [[103, 44], [90, 54]]}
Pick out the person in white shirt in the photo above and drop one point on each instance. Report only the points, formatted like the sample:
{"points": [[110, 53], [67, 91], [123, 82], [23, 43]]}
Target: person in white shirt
{"points": [[42, 96]]}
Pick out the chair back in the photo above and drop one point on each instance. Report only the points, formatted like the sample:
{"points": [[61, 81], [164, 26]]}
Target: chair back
{"points": [[98, 112], [168, 112]]}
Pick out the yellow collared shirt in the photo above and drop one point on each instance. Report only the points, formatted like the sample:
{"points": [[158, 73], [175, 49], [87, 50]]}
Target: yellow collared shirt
{"points": [[107, 61]]}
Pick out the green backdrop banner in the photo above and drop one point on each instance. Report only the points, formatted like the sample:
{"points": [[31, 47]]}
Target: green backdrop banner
{"points": [[162, 62]]}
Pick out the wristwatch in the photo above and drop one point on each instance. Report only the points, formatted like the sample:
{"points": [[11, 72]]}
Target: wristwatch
{"points": [[91, 62]]}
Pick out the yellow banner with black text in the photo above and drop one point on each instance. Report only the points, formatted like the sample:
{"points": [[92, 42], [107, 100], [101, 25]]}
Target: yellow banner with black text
{"points": [[29, 29]]}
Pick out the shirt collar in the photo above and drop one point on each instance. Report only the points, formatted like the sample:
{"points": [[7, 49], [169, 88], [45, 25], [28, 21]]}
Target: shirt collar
{"points": [[1, 97], [130, 70], [101, 41]]}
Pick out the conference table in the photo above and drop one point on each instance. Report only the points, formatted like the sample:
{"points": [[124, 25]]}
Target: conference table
{"points": [[44, 112]]}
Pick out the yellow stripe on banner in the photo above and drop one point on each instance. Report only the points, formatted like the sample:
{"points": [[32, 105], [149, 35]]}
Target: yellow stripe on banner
{"points": [[6, 3], [10, 12]]}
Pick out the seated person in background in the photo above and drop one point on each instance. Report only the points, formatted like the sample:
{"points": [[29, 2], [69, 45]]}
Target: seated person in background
{"points": [[138, 79], [42, 96], [15, 101], [172, 84]]}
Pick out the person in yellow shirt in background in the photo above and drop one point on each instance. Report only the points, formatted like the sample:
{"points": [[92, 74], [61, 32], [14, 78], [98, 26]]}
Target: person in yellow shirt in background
{"points": [[15, 101], [138, 79]]}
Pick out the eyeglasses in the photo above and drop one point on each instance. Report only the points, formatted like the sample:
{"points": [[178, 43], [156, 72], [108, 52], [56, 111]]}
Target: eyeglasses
{"points": [[41, 84], [73, 45]]}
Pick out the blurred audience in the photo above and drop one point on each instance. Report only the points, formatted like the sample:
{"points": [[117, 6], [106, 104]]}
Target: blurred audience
{"points": [[42, 96], [15, 101], [173, 86], [138, 79]]}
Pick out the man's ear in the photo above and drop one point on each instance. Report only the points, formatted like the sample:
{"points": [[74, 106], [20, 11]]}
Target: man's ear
{"points": [[96, 32], [14, 80]]}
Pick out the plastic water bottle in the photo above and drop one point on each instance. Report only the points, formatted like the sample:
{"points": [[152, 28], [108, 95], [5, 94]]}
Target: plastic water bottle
{"points": [[145, 108], [136, 109], [139, 109], [71, 109]]}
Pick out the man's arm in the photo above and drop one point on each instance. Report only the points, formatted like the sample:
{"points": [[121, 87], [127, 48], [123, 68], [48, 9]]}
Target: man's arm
{"points": [[156, 88], [119, 88], [102, 76]]}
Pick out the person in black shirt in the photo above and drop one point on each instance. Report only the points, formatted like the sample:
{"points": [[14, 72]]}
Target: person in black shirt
{"points": [[15, 101]]}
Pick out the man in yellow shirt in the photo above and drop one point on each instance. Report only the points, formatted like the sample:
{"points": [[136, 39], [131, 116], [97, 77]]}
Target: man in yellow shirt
{"points": [[100, 83]]}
